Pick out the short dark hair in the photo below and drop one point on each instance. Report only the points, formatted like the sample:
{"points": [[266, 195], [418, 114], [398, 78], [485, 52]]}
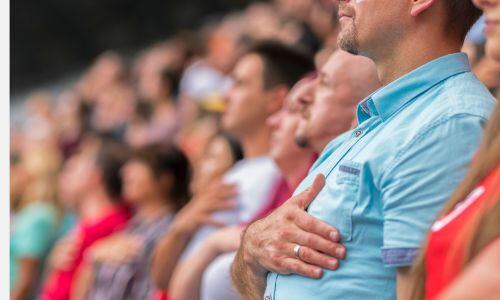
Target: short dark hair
{"points": [[110, 159], [283, 64], [169, 159], [461, 15]]}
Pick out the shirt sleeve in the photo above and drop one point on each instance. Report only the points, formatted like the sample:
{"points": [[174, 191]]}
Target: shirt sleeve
{"points": [[37, 229], [420, 179]]}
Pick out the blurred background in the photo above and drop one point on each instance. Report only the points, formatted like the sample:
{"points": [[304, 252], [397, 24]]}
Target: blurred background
{"points": [[53, 41], [138, 73]]}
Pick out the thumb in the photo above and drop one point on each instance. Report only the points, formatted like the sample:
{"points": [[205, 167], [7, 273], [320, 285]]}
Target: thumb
{"points": [[305, 198]]}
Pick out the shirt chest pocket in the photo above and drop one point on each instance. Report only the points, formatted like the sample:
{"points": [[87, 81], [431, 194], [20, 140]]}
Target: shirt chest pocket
{"points": [[336, 201]]}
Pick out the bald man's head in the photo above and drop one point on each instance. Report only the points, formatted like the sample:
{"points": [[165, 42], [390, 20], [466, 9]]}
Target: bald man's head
{"points": [[342, 83]]}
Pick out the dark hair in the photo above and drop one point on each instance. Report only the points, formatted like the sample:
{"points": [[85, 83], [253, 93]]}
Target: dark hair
{"points": [[283, 64], [171, 78], [461, 15], [110, 159], [234, 146], [169, 159]]}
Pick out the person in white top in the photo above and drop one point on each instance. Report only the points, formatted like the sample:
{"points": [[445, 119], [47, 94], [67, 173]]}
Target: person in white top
{"points": [[262, 78]]}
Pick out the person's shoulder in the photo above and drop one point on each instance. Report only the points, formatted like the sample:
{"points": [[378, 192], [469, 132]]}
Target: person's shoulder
{"points": [[39, 211], [464, 94], [261, 165], [461, 99]]}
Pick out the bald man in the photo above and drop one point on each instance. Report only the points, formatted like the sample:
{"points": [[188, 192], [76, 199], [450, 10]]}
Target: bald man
{"points": [[328, 110], [342, 83]]}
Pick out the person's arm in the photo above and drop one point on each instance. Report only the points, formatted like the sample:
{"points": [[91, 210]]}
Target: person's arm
{"points": [[26, 278], [419, 179], [166, 255], [403, 283], [198, 212], [249, 280], [82, 282], [480, 279], [268, 245], [186, 280]]}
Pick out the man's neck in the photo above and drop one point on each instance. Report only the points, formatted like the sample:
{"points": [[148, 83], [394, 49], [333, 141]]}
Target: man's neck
{"points": [[411, 54], [294, 169], [256, 144]]}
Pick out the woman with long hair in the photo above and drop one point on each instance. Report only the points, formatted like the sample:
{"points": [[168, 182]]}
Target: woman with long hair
{"points": [[461, 256], [156, 184]]}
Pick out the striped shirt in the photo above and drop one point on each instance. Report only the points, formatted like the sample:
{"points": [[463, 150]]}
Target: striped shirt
{"points": [[131, 280]]}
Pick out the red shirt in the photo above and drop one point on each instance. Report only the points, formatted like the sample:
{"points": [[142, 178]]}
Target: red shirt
{"points": [[451, 233], [280, 194], [58, 284]]}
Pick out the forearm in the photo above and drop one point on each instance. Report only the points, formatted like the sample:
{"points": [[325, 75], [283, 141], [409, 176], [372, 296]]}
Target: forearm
{"points": [[82, 283], [249, 282], [27, 275], [186, 281], [166, 256], [21, 289]]}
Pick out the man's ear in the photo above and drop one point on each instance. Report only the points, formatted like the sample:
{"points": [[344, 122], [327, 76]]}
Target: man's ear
{"points": [[419, 6], [277, 97]]}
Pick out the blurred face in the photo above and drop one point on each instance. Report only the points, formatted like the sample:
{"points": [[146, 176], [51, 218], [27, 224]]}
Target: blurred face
{"points": [[76, 179], [284, 125], [331, 111], [491, 9], [368, 26], [139, 183], [246, 101], [214, 163]]}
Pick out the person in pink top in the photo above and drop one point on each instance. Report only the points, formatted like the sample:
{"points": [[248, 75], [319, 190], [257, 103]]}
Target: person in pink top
{"points": [[94, 180]]}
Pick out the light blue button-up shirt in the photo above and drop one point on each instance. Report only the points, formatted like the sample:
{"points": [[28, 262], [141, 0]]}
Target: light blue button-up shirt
{"points": [[387, 179]]}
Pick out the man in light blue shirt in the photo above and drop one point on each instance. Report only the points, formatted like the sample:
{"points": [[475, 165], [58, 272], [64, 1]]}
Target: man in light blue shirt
{"points": [[385, 180]]}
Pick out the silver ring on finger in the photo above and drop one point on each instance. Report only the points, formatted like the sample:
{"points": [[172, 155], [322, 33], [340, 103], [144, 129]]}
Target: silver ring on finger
{"points": [[296, 250]]}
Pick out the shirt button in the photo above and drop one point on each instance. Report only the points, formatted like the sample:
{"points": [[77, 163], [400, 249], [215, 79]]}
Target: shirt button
{"points": [[358, 133]]}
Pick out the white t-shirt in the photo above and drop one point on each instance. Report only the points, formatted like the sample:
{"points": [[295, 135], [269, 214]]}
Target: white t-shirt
{"points": [[255, 179]]}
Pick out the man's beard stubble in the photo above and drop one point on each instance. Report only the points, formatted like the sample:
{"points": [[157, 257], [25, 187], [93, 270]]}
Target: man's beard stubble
{"points": [[348, 41]]}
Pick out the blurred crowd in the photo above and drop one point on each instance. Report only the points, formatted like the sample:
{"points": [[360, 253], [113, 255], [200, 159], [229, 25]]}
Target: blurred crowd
{"points": [[138, 181]]}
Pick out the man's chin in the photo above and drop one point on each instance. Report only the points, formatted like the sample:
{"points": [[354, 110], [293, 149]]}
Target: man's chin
{"points": [[346, 41]]}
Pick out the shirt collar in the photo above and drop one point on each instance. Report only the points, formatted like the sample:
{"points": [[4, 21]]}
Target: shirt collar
{"points": [[389, 99]]}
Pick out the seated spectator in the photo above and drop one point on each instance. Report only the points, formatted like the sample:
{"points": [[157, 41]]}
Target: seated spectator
{"points": [[34, 225], [156, 183], [210, 195], [209, 274], [330, 98], [262, 79], [93, 176]]}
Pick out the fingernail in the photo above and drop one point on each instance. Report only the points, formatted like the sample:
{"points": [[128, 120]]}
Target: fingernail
{"points": [[318, 272], [334, 236], [333, 264], [340, 252]]}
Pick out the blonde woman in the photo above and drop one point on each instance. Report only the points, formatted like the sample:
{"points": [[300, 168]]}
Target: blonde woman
{"points": [[34, 221]]}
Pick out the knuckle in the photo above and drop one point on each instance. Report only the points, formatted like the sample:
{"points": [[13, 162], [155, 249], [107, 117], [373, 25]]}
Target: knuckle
{"points": [[282, 234], [306, 254], [279, 264], [307, 223]]}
